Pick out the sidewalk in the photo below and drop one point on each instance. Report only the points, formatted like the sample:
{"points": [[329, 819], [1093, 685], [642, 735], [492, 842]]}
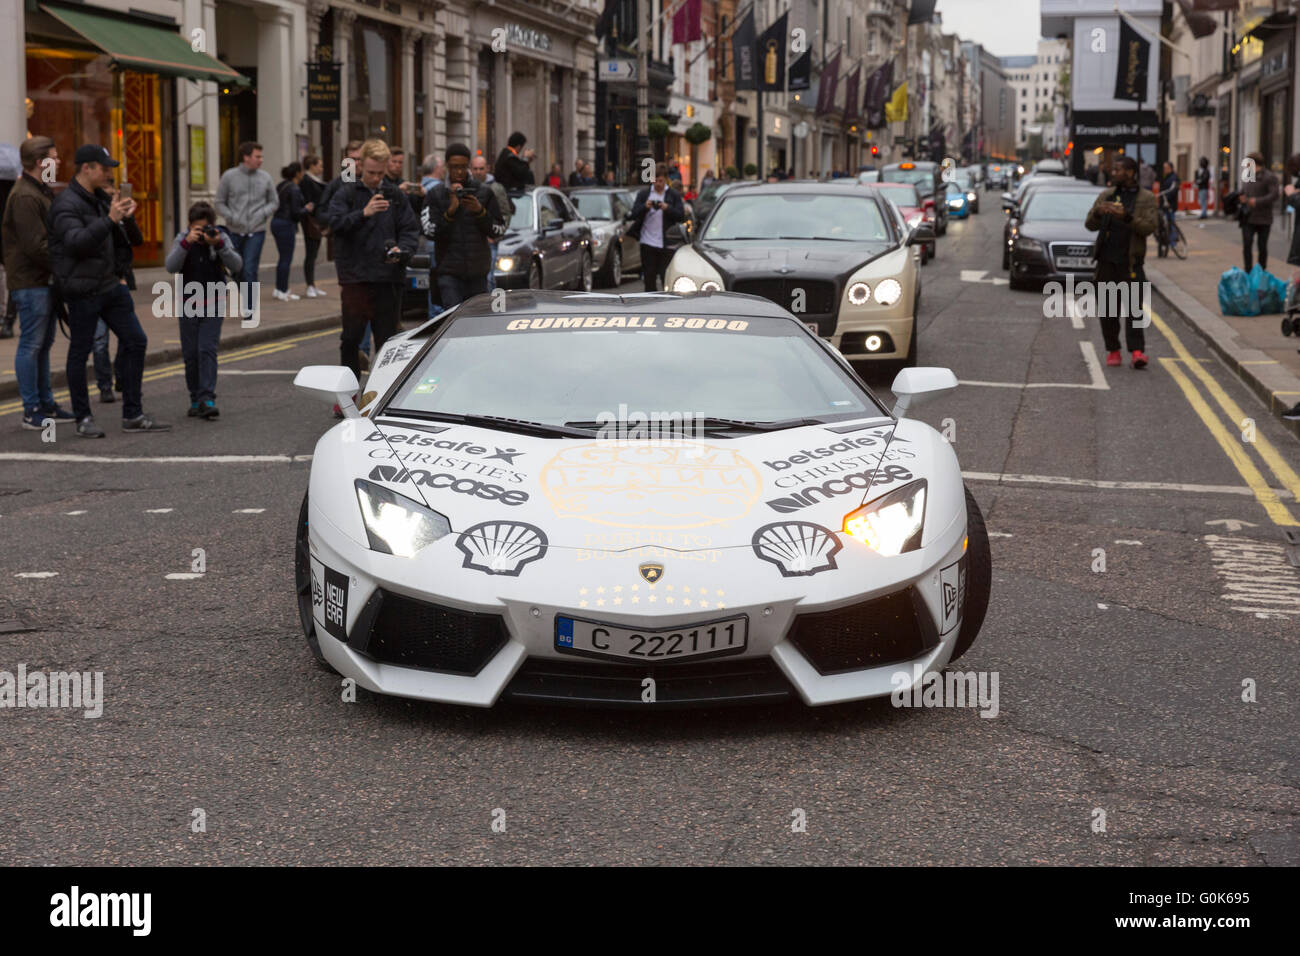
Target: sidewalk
{"points": [[275, 320], [1253, 347]]}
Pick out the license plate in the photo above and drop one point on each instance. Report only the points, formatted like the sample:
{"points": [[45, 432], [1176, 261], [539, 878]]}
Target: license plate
{"points": [[1075, 262], [420, 282], [710, 639]]}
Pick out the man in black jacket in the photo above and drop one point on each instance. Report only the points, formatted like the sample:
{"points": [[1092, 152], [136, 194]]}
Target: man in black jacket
{"points": [[512, 170], [462, 218], [375, 234], [658, 207], [91, 232]]}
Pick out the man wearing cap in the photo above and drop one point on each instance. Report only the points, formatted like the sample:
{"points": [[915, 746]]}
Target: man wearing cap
{"points": [[91, 232]]}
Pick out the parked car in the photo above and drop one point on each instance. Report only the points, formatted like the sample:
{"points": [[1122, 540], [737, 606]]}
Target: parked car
{"points": [[615, 254], [838, 259], [547, 245], [927, 177], [1013, 202], [908, 201], [1050, 240]]}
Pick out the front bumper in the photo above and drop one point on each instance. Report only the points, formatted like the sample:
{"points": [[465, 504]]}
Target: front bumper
{"points": [[807, 636], [1034, 266]]}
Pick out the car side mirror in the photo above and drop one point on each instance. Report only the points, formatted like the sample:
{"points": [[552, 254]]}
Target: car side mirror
{"points": [[921, 234], [911, 385], [335, 384], [553, 226]]}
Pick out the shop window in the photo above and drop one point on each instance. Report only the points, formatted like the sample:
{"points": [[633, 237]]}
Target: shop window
{"points": [[373, 104]]}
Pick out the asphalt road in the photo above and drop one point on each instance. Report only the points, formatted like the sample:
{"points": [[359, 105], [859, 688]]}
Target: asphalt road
{"points": [[1120, 689]]}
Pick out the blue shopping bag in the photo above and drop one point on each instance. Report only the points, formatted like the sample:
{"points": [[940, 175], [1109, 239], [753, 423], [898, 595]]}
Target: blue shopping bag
{"points": [[1236, 295]]}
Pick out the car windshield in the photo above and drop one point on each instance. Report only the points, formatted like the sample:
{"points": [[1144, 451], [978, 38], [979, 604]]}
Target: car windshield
{"points": [[523, 217], [575, 369], [797, 216], [1054, 204], [714, 190], [593, 205], [922, 179], [902, 194]]}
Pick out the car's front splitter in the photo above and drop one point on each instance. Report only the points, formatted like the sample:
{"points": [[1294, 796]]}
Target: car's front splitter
{"points": [[608, 587]]}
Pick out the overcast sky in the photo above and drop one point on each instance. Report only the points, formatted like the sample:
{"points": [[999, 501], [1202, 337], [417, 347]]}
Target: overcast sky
{"points": [[1003, 27]]}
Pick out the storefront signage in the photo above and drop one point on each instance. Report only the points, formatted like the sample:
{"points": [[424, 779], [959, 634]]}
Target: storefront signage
{"points": [[323, 91], [622, 71], [1115, 125], [527, 37]]}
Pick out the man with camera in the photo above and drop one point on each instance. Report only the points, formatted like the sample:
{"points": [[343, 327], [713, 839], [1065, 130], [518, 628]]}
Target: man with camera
{"points": [[463, 219], [92, 230], [375, 234], [658, 207]]}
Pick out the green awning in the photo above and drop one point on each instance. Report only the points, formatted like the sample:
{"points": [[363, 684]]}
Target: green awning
{"points": [[144, 48]]}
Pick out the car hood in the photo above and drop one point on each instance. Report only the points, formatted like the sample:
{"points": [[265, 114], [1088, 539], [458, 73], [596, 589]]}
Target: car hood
{"points": [[797, 258], [611, 495], [1056, 230]]}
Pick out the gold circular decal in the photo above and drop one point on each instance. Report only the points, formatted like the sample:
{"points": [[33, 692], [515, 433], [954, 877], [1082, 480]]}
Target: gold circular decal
{"points": [[641, 484]]}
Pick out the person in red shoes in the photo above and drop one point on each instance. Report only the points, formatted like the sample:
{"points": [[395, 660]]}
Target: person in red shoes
{"points": [[1123, 217]]}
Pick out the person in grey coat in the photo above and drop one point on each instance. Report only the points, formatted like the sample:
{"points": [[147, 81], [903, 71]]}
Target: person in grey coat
{"points": [[207, 261], [1258, 197], [246, 199]]}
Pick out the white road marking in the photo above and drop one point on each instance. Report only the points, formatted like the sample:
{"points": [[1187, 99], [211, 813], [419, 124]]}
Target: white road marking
{"points": [[1127, 541], [162, 460], [1096, 378], [977, 275], [1072, 310], [74, 512], [1116, 485], [158, 511], [36, 574], [1232, 524], [1000, 534], [183, 575], [1256, 576], [248, 511], [1104, 607]]}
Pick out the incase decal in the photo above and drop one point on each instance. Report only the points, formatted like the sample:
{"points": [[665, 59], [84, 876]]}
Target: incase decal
{"points": [[462, 486], [859, 481]]}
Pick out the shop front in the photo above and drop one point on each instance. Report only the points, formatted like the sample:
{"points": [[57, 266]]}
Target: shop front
{"points": [[96, 76]]}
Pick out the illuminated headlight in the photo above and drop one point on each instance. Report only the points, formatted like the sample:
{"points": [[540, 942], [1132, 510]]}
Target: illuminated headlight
{"points": [[956, 203], [859, 293], [891, 525], [888, 291], [710, 286], [915, 220], [506, 264], [1028, 245], [872, 343], [395, 524], [685, 284], [970, 197]]}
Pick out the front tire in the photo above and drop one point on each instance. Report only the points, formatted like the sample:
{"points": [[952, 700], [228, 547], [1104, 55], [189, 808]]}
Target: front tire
{"points": [[612, 275], [302, 584], [979, 578], [584, 283]]}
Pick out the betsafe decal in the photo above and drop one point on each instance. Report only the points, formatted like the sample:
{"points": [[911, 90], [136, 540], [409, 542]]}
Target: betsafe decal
{"points": [[635, 485], [502, 547]]}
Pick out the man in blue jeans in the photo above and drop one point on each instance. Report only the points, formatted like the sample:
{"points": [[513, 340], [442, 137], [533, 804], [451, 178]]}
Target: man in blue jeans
{"points": [[246, 198], [461, 217], [91, 231], [27, 263]]}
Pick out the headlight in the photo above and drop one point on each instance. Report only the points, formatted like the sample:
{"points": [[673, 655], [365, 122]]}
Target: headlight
{"points": [[888, 291], [1028, 245], [685, 284], [970, 197], [395, 524], [915, 220], [891, 525], [506, 264], [710, 286], [859, 293]]}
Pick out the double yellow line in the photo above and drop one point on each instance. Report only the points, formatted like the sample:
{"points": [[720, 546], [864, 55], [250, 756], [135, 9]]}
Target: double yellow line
{"points": [[1230, 440], [178, 368]]}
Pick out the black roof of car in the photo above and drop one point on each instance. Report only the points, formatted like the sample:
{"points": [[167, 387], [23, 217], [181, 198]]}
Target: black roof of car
{"points": [[529, 302]]}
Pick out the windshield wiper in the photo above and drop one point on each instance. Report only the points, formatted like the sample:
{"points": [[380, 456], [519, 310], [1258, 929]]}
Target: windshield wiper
{"points": [[499, 422], [741, 425]]}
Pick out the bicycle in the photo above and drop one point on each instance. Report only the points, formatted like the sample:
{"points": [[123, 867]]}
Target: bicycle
{"points": [[1165, 240]]}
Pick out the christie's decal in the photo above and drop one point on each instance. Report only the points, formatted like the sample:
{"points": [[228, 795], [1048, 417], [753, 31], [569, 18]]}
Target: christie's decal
{"points": [[635, 485], [848, 484], [626, 322]]}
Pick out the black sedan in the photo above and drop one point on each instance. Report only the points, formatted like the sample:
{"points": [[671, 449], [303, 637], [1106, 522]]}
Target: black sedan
{"points": [[1050, 240], [614, 252], [547, 245], [1013, 203]]}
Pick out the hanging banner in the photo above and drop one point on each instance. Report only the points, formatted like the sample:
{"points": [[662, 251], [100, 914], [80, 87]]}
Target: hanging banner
{"points": [[769, 53], [830, 81], [801, 72], [742, 54], [1134, 55]]}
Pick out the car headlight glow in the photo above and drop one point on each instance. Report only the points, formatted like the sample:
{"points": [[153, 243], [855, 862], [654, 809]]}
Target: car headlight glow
{"points": [[970, 196], [710, 286], [859, 293], [915, 220], [888, 291], [891, 525], [1028, 245], [395, 524], [685, 284], [872, 343], [506, 264]]}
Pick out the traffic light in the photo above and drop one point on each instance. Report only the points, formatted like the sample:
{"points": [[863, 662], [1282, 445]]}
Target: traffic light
{"points": [[875, 150]]}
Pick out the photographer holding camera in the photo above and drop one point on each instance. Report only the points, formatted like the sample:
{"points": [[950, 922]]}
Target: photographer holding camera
{"points": [[204, 254], [375, 234], [658, 207], [462, 218]]}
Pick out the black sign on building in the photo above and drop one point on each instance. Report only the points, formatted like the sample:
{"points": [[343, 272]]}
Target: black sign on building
{"points": [[323, 91]]}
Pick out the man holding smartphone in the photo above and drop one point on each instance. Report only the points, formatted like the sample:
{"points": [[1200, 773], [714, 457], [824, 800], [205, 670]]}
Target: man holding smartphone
{"points": [[375, 234], [463, 219], [658, 207], [1123, 217]]}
